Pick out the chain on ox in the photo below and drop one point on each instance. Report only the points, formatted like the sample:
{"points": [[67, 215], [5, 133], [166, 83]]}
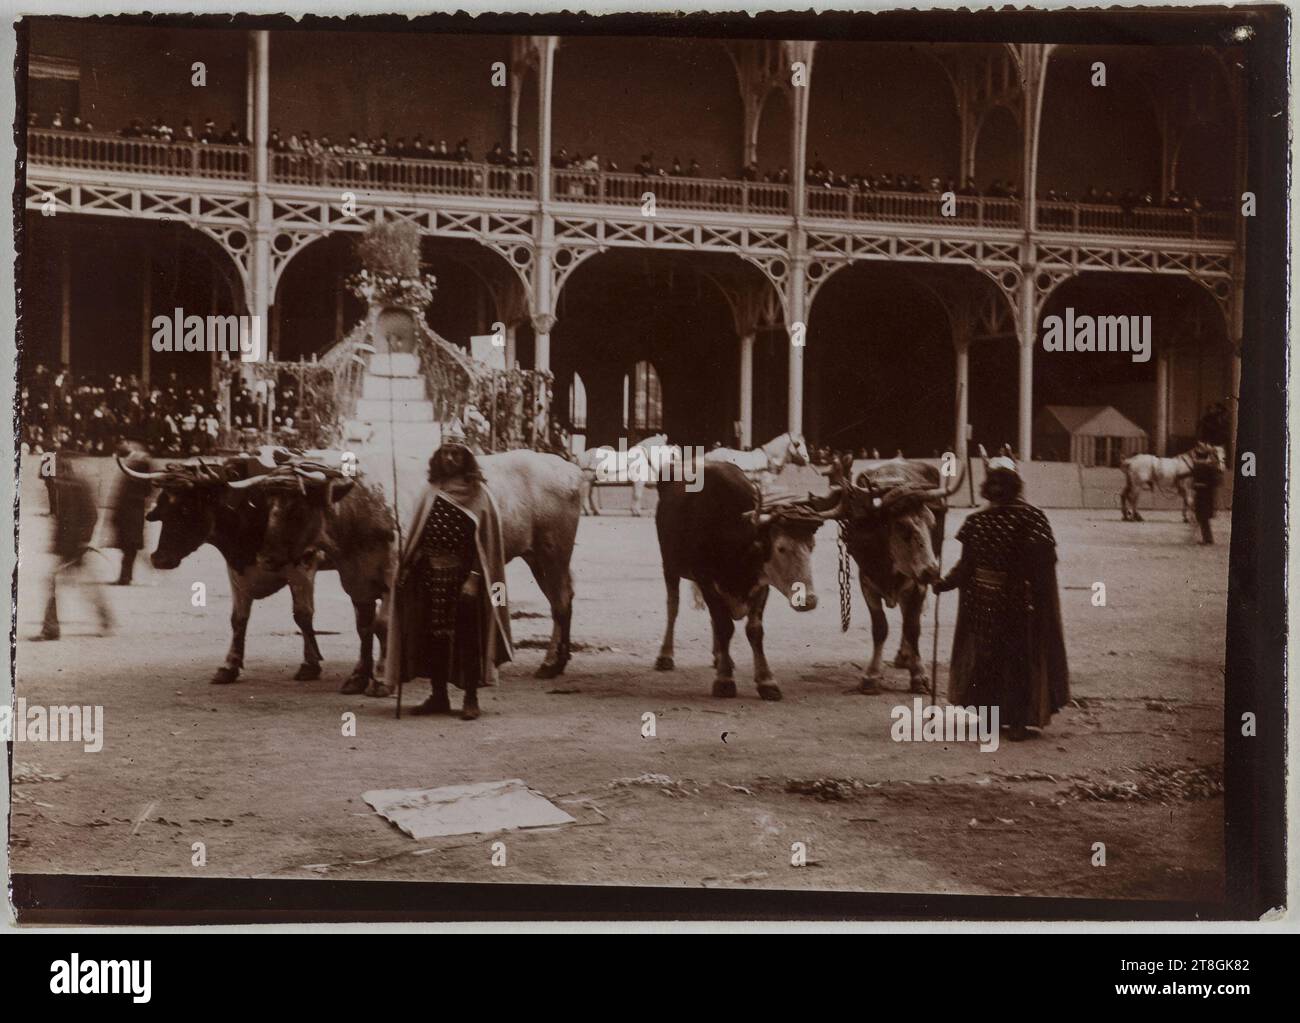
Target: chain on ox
{"points": [[894, 532]]}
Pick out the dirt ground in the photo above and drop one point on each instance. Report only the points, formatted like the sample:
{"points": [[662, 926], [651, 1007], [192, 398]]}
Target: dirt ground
{"points": [[261, 773]]}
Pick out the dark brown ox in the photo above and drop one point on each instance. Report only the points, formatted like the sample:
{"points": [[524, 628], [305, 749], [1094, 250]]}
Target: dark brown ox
{"points": [[537, 501], [733, 550], [894, 531], [319, 519], [200, 503]]}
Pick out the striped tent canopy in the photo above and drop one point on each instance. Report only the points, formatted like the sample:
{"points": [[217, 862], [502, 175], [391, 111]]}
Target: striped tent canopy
{"points": [[1088, 435]]}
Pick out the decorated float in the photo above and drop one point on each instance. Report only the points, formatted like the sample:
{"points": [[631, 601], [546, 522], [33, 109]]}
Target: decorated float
{"points": [[392, 367]]}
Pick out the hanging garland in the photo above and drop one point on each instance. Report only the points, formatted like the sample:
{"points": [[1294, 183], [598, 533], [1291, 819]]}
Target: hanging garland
{"points": [[500, 410], [391, 289]]}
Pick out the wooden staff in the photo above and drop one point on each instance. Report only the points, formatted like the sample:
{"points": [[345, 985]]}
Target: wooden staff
{"points": [[934, 650], [397, 518]]}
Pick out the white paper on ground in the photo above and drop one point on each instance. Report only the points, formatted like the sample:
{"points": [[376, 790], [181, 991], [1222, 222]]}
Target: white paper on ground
{"points": [[466, 809]]}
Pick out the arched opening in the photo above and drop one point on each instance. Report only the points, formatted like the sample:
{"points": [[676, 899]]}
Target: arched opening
{"points": [[994, 388], [315, 309], [476, 289], [880, 368], [119, 275], [1164, 390], [578, 405], [653, 339], [643, 401]]}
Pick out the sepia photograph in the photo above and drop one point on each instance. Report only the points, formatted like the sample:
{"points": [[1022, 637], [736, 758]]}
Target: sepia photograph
{"points": [[833, 455]]}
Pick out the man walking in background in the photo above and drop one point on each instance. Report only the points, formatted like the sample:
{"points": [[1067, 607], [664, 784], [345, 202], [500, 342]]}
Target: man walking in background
{"points": [[74, 515], [130, 499], [1207, 477]]}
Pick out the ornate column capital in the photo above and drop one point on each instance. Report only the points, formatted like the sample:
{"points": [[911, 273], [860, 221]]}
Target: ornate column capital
{"points": [[543, 323]]}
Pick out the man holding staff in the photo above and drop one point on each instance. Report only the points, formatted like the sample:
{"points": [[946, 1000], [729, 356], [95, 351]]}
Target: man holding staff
{"points": [[1008, 649], [450, 621]]}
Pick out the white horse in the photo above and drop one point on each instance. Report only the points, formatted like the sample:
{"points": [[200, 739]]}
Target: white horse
{"points": [[1150, 472], [771, 457], [644, 463]]}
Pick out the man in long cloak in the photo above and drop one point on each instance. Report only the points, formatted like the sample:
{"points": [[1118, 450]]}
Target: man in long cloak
{"points": [[1008, 648], [449, 618]]}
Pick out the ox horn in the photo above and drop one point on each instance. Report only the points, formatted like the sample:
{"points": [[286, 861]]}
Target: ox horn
{"points": [[252, 481], [942, 492], [136, 474], [314, 475], [839, 509]]}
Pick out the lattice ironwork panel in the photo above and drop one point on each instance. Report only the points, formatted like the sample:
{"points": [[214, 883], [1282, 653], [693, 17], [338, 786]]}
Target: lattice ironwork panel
{"points": [[513, 225], [862, 245], [1193, 263], [656, 233], [146, 203], [632, 234], [831, 244], [223, 208], [587, 229], [1001, 252], [49, 196]]}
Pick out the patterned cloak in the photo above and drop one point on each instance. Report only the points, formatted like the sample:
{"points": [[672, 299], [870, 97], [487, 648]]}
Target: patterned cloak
{"points": [[406, 654], [1008, 649]]}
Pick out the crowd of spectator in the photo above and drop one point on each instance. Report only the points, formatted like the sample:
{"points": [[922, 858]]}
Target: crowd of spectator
{"points": [[417, 148], [59, 121], [561, 159], [819, 176], [157, 129], [322, 153], [94, 412], [302, 142]]}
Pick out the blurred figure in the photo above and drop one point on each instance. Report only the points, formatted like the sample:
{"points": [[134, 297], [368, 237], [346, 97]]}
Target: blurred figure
{"points": [[75, 515], [130, 498], [1207, 477]]}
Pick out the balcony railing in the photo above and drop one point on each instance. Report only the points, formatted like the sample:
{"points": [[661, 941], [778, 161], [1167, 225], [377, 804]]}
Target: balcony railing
{"points": [[96, 152], [92, 151], [913, 208], [721, 194], [397, 174], [1147, 221]]}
